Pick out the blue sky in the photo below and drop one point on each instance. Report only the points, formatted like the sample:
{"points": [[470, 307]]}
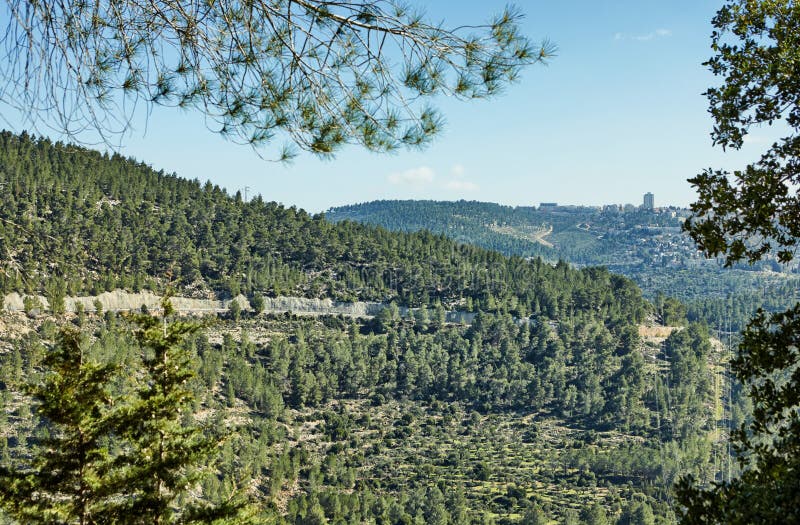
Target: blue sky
{"points": [[618, 112]]}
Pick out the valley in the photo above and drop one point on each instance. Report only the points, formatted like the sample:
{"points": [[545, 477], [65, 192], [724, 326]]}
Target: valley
{"points": [[648, 246], [414, 393]]}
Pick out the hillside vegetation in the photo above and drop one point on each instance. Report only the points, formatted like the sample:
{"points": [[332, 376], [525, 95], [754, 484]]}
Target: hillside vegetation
{"points": [[548, 406], [75, 221], [646, 246], [365, 420]]}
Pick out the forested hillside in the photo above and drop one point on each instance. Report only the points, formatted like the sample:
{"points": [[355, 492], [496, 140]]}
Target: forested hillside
{"points": [[646, 246], [393, 421], [581, 235], [555, 403], [74, 220]]}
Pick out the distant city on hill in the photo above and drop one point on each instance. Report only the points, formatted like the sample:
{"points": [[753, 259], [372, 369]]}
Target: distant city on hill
{"points": [[644, 242]]}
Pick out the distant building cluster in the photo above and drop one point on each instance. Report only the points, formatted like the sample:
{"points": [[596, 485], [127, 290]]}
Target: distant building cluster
{"points": [[648, 204]]}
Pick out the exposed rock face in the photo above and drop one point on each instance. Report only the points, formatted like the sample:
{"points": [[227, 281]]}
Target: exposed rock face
{"points": [[301, 306], [120, 300], [14, 301]]}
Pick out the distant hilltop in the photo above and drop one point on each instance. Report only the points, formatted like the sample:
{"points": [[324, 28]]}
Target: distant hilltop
{"points": [[645, 242], [582, 235], [648, 204]]}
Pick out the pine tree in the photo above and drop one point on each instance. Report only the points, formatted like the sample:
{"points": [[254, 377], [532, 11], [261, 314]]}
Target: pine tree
{"points": [[129, 458], [167, 448], [318, 74], [67, 481]]}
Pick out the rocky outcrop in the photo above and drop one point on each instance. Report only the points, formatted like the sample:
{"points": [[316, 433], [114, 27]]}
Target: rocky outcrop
{"points": [[122, 301], [303, 306]]}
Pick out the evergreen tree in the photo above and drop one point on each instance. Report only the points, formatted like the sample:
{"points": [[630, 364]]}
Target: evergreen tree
{"points": [[637, 513], [321, 74], [258, 304], [534, 516], [235, 309], [130, 458], [594, 514], [167, 448], [69, 478]]}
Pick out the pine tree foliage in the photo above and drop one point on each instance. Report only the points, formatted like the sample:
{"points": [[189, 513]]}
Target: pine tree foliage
{"points": [[321, 74], [105, 222], [70, 477], [560, 345], [127, 457], [329, 407], [162, 447]]}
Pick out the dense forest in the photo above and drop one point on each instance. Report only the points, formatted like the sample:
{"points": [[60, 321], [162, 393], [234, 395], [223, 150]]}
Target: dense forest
{"points": [[77, 221], [563, 399], [581, 235], [395, 421]]}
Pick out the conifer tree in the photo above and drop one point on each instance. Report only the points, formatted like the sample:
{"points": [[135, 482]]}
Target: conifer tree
{"points": [[167, 449], [68, 479], [129, 458], [319, 74]]}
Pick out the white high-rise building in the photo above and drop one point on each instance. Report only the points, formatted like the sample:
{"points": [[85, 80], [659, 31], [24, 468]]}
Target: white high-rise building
{"points": [[649, 201]]}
